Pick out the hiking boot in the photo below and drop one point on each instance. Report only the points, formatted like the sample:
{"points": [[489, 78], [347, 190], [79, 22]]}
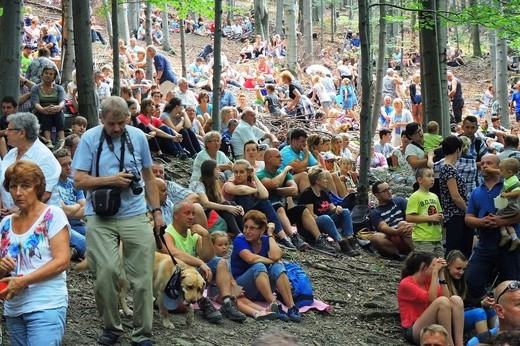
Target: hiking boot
{"points": [[108, 338], [505, 239], [345, 247], [323, 245], [299, 243], [514, 244], [229, 310], [353, 243], [294, 314], [286, 244], [209, 311], [279, 311]]}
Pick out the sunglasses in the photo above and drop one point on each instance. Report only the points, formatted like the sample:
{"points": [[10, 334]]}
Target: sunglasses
{"points": [[513, 286]]}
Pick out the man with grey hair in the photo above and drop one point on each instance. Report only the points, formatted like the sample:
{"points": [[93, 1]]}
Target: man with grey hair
{"points": [[247, 130], [187, 96], [164, 75], [390, 83], [434, 335], [116, 156], [22, 134]]}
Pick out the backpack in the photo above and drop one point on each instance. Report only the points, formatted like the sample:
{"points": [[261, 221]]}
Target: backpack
{"points": [[301, 287]]}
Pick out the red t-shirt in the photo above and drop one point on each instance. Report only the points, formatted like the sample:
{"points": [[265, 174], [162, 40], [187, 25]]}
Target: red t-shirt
{"points": [[412, 300], [156, 122]]}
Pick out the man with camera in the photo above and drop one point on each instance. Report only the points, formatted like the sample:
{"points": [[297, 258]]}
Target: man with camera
{"points": [[112, 162]]}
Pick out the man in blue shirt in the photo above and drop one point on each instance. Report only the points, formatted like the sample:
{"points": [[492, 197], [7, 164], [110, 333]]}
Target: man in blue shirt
{"points": [[164, 75], [50, 41], [515, 103]]}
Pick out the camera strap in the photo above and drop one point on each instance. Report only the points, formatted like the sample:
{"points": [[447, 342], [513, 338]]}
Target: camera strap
{"points": [[104, 136]]}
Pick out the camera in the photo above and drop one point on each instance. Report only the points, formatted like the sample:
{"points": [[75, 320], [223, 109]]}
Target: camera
{"points": [[135, 186]]}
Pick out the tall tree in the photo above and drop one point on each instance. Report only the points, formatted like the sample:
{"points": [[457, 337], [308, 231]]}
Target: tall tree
{"points": [[166, 29], [501, 73], [475, 34], [149, 41], [133, 16], [217, 66], [278, 28], [84, 62], [106, 13], [115, 49], [366, 105], [122, 17], [442, 41], [307, 27], [261, 19], [67, 46], [183, 47], [290, 32], [380, 65], [10, 49]]}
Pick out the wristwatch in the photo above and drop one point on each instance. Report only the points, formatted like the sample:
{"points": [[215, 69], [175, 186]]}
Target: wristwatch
{"points": [[155, 209]]}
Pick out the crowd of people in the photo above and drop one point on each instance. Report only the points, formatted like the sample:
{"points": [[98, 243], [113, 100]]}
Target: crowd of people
{"points": [[456, 231]]}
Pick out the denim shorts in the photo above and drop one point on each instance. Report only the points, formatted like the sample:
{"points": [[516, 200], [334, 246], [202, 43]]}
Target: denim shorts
{"points": [[408, 334]]}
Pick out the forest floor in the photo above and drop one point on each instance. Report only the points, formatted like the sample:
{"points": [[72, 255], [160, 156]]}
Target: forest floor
{"points": [[361, 290]]}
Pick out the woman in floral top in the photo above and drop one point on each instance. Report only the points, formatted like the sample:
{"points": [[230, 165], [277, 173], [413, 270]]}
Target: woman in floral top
{"points": [[453, 197], [34, 259]]}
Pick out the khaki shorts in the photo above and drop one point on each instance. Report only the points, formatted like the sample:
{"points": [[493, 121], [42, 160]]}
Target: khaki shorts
{"points": [[434, 247]]}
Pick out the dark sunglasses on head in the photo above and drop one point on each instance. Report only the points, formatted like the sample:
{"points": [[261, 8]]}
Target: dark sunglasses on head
{"points": [[513, 286]]}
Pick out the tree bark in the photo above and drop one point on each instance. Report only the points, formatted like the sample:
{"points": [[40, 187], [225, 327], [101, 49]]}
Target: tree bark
{"points": [[148, 37], [84, 62], [183, 47], [307, 28], [278, 29], [122, 18], [67, 46], [430, 70], [442, 39], [133, 16], [366, 106], [501, 78], [108, 19], [493, 56], [475, 34], [115, 49], [380, 66], [10, 39], [261, 19], [290, 31], [165, 30], [217, 66]]}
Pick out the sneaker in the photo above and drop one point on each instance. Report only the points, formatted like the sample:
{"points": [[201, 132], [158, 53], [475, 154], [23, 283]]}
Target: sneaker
{"points": [[299, 243], [286, 244], [505, 239], [345, 247], [108, 338], [294, 314], [230, 310], [265, 315], [209, 311], [279, 311], [514, 244], [146, 342], [322, 244]]}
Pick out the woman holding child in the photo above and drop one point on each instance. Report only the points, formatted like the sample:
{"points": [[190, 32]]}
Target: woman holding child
{"points": [[424, 299]]}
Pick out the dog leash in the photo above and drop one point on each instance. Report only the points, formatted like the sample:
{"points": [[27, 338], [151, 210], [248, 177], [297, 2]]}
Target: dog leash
{"points": [[159, 240]]}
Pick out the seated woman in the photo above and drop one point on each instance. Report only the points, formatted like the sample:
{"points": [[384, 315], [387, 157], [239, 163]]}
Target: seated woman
{"points": [[176, 118], [414, 153], [205, 107], [247, 190], [246, 53], [315, 145], [208, 190], [35, 256], [211, 152], [251, 154], [479, 318], [259, 46], [328, 216], [424, 299], [377, 160], [256, 266]]}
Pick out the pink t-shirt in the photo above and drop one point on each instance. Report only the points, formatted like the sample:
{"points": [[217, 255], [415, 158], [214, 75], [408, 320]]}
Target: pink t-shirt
{"points": [[412, 300], [156, 122]]}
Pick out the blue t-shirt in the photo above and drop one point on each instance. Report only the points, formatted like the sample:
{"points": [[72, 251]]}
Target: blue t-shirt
{"points": [[481, 203], [516, 99], [162, 64], [85, 160], [238, 265], [70, 195], [288, 156]]}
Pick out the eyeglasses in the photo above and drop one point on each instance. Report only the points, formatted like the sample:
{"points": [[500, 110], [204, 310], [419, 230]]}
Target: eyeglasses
{"points": [[385, 190], [513, 286], [250, 228]]}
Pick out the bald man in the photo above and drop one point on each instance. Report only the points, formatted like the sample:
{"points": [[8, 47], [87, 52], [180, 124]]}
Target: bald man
{"points": [[488, 255]]}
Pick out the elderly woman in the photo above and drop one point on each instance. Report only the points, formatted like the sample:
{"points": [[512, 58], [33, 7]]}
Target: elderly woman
{"points": [[256, 266], [34, 257], [48, 100], [398, 121], [298, 104], [211, 152], [177, 119], [415, 154]]}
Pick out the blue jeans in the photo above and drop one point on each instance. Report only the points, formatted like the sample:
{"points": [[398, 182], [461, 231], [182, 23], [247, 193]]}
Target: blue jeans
{"points": [[330, 224], [77, 241], [38, 328], [263, 205], [472, 316], [248, 279]]}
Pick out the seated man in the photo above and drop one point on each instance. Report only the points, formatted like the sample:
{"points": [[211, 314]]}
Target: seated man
{"points": [[247, 130], [383, 146], [280, 184], [140, 85], [192, 244], [394, 234]]}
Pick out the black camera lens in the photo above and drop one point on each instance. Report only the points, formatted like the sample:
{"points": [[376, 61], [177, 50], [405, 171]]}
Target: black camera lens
{"points": [[135, 186]]}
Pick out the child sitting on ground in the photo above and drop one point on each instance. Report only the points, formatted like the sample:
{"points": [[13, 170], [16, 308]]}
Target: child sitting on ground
{"points": [[509, 169], [220, 242], [346, 169], [432, 139], [425, 212], [272, 101]]}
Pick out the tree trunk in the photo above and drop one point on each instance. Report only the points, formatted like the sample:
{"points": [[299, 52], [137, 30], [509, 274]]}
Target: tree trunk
{"points": [[84, 62], [366, 110], [322, 25], [501, 78], [231, 4], [122, 18], [261, 19], [278, 29], [133, 16], [165, 30], [442, 39], [217, 66], [10, 39], [430, 70], [307, 28], [475, 34], [380, 66], [108, 19], [301, 15], [148, 38], [115, 49], [67, 46], [332, 22], [493, 56], [183, 47], [290, 32]]}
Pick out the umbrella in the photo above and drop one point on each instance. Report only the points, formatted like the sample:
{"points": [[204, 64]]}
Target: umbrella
{"points": [[318, 68]]}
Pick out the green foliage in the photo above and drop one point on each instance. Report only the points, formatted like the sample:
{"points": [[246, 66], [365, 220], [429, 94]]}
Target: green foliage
{"points": [[206, 8]]}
